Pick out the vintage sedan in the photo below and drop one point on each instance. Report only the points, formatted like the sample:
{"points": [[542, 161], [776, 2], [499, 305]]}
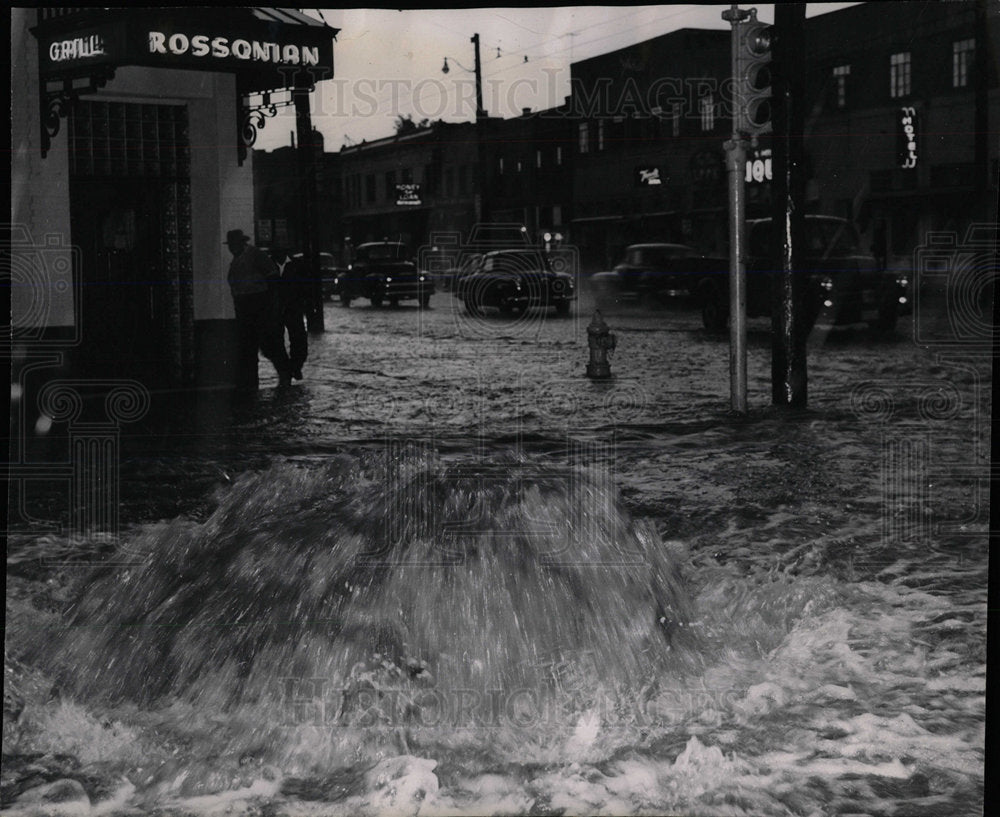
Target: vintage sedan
{"points": [[383, 271], [511, 280], [655, 269], [843, 282]]}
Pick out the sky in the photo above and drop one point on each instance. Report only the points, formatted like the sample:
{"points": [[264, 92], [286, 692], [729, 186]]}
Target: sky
{"points": [[387, 63]]}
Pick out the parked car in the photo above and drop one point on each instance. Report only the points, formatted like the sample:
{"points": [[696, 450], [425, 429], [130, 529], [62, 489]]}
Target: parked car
{"points": [[511, 280], [844, 283], [383, 271], [655, 269]]}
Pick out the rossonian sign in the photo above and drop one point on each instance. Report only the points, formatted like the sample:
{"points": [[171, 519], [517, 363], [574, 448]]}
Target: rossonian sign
{"points": [[253, 49]]}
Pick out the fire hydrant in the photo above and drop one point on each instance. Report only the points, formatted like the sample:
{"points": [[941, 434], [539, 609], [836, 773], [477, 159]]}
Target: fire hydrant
{"points": [[602, 344]]}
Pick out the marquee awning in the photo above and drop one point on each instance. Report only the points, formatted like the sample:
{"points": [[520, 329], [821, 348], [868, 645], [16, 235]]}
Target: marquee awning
{"points": [[267, 49]]}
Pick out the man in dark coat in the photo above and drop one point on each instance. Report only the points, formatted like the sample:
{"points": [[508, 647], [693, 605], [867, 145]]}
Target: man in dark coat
{"points": [[252, 280], [293, 297]]}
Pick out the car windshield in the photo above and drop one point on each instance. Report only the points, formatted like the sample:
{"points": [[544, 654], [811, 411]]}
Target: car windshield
{"points": [[515, 262], [653, 256], [382, 252]]}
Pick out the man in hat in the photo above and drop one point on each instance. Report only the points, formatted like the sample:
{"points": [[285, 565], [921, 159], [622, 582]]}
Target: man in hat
{"points": [[252, 278]]}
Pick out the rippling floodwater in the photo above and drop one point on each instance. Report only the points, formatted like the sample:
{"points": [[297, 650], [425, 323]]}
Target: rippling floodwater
{"points": [[825, 652]]}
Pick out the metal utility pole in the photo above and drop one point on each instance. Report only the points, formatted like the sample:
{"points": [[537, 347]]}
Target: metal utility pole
{"points": [[482, 210], [790, 329], [736, 156], [308, 207]]}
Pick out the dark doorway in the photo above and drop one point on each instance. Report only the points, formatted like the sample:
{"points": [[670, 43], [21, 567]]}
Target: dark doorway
{"points": [[114, 225], [130, 217]]}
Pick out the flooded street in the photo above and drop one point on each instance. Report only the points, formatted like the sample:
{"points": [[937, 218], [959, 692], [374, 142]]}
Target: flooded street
{"points": [[448, 574]]}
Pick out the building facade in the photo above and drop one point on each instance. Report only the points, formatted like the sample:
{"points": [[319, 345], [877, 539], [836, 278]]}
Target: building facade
{"points": [[902, 136], [649, 124], [411, 186], [131, 132]]}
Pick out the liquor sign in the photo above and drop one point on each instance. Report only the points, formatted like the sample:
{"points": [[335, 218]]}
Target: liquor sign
{"points": [[759, 167], [408, 194], [906, 138], [648, 176]]}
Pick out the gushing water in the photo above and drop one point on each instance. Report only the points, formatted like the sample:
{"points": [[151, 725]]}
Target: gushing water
{"points": [[391, 591]]}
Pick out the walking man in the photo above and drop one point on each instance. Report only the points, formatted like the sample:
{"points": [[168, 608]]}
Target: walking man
{"points": [[253, 277]]}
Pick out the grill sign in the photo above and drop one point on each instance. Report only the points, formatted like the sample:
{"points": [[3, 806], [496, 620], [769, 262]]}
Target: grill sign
{"points": [[77, 49], [907, 138]]}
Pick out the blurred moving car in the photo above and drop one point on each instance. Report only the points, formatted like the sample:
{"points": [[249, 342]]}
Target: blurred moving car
{"points": [[511, 280], [383, 271], [844, 283], [655, 269]]}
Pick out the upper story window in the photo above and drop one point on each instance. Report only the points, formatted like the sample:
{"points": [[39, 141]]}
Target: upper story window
{"points": [[675, 119], [899, 74], [600, 134], [538, 158], [963, 52], [370, 188], [583, 131], [840, 75], [390, 185], [558, 154], [706, 107]]}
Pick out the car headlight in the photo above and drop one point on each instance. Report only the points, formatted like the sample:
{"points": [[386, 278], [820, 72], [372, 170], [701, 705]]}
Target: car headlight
{"points": [[388, 279], [903, 281], [827, 284], [350, 267], [422, 278]]}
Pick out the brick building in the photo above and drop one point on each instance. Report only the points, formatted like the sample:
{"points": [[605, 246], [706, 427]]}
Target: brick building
{"points": [[411, 185], [877, 70]]}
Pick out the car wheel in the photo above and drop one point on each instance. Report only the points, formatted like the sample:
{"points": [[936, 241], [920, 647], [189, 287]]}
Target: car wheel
{"points": [[562, 307], [376, 301], [714, 313], [345, 300]]}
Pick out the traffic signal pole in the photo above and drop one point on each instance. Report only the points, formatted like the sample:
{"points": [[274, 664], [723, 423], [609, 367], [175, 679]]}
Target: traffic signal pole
{"points": [[308, 204], [790, 329], [736, 157]]}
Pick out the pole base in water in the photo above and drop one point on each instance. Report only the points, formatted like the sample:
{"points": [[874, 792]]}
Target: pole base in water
{"points": [[598, 371]]}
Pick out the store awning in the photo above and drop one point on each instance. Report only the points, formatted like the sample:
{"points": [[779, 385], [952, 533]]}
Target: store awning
{"points": [[267, 49]]}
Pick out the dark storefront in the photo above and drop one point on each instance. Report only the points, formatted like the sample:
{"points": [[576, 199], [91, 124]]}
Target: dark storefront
{"points": [[114, 100]]}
